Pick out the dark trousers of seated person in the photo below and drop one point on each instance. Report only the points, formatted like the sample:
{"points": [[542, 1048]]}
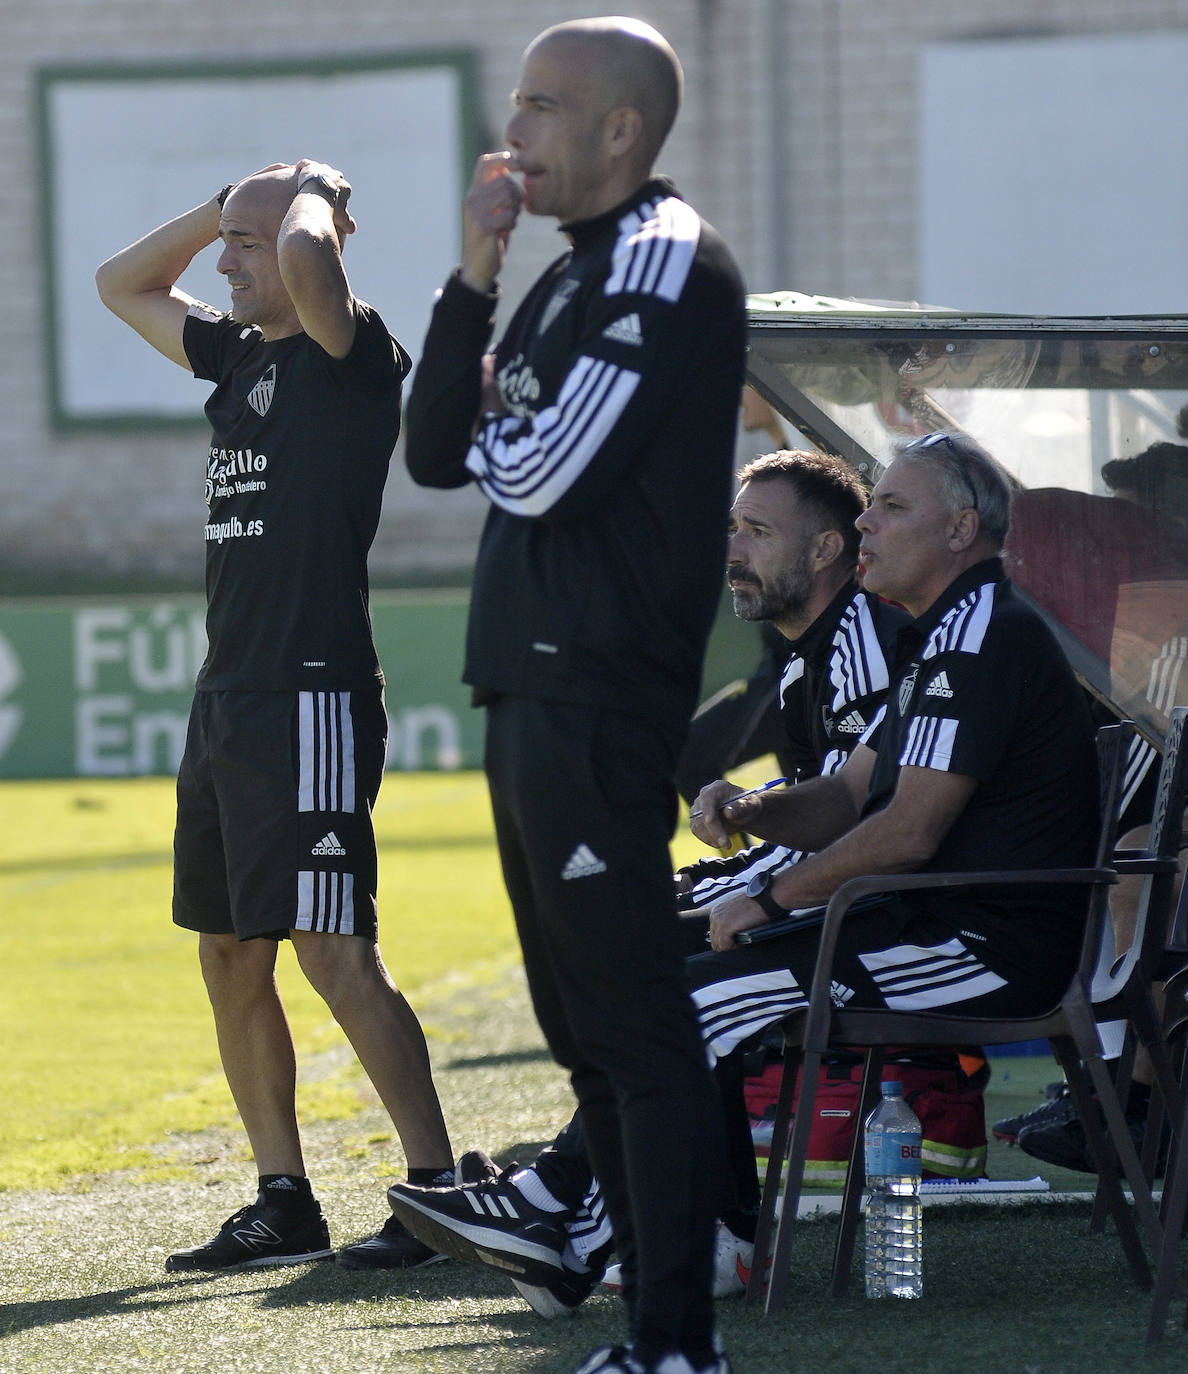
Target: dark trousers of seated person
{"points": [[904, 955], [564, 1165]]}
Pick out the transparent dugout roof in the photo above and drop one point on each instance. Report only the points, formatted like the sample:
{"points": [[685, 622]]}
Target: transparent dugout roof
{"points": [[1105, 557]]}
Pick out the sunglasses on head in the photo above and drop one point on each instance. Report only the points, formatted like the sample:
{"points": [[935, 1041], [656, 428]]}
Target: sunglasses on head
{"points": [[956, 462]]}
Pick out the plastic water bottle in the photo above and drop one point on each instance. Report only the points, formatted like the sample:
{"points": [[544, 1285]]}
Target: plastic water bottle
{"points": [[894, 1238]]}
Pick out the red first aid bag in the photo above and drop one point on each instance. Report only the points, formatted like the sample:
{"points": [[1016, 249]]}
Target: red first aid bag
{"points": [[948, 1101]]}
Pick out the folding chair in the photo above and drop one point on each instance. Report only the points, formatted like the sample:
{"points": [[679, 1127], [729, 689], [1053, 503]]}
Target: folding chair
{"points": [[1126, 991], [1070, 1027], [1173, 972], [1174, 1202]]}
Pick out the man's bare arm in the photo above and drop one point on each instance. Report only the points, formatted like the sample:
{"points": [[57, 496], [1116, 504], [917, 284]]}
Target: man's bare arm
{"points": [[309, 254], [808, 816], [138, 283], [898, 839]]}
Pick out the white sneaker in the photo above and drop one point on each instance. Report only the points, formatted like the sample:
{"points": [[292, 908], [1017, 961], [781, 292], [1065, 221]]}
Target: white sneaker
{"points": [[732, 1265]]}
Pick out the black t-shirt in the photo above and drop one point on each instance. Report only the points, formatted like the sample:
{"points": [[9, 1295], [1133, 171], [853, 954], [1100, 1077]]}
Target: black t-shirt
{"points": [[831, 691], [295, 476], [981, 688]]}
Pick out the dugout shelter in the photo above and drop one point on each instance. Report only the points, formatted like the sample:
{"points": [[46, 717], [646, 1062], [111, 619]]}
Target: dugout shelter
{"points": [[1088, 415]]}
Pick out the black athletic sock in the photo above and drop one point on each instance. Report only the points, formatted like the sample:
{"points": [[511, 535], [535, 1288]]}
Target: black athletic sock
{"points": [[288, 1190], [432, 1178]]}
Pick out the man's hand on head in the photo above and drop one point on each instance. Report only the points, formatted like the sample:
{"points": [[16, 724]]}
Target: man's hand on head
{"points": [[489, 214], [332, 186]]}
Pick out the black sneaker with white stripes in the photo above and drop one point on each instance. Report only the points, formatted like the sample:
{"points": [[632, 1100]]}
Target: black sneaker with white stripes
{"points": [[393, 1246], [257, 1236], [560, 1295], [490, 1222], [620, 1359]]}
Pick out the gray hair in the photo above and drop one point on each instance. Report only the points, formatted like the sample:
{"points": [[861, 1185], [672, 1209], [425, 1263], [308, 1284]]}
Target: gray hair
{"points": [[967, 476]]}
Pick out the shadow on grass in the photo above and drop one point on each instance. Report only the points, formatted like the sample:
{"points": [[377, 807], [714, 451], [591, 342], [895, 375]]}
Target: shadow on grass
{"points": [[501, 1059], [147, 1297], [313, 1285]]}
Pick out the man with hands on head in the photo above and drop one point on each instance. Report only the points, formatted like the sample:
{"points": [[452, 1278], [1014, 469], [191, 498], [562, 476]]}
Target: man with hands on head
{"points": [[286, 742]]}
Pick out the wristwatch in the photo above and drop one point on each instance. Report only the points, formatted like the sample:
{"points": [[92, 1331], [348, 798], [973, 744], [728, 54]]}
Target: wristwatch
{"points": [[759, 890], [323, 184]]}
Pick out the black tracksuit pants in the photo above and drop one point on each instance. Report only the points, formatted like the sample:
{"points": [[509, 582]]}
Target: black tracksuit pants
{"points": [[584, 807]]}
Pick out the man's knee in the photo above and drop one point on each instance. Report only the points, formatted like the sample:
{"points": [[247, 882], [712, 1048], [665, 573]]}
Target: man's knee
{"points": [[336, 966], [233, 967]]}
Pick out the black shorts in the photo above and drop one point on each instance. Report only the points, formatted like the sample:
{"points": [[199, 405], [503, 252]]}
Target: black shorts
{"points": [[274, 801]]}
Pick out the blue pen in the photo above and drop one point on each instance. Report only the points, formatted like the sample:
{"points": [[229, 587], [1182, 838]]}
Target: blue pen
{"points": [[750, 792], [754, 791]]}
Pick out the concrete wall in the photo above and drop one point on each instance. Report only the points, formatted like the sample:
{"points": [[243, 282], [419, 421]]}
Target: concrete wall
{"points": [[798, 140]]}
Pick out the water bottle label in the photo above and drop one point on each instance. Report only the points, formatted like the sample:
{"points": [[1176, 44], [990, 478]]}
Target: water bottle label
{"points": [[892, 1152]]}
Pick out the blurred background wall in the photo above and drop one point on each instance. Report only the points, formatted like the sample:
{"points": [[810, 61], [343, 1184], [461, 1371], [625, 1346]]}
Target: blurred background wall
{"points": [[872, 148]]}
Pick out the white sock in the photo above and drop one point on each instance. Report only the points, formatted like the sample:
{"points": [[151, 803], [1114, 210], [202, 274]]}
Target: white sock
{"points": [[527, 1181], [572, 1258]]}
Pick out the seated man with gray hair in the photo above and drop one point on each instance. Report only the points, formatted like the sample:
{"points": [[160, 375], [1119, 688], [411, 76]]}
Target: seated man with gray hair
{"points": [[983, 758]]}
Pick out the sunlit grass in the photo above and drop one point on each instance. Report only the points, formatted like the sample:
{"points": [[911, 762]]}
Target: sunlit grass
{"points": [[106, 1033], [108, 1044]]}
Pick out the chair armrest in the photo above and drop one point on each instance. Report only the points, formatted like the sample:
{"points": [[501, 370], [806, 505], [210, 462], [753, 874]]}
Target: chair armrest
{"points": [[1147, 863], [817, 1023]]}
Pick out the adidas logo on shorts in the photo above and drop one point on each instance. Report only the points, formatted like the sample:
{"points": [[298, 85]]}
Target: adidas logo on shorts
{"points": [[328, 844]]}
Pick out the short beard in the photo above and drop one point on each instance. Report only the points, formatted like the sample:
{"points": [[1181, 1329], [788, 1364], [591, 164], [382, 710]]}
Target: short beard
{"points": [[788, 597]]}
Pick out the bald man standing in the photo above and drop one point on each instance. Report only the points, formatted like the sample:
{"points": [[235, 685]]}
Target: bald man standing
{"points": [[286, 741], [601, 430]]}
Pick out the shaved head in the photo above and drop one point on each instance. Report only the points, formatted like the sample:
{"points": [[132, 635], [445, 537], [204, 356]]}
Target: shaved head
{"points": [[632, 64], [264, 196]]}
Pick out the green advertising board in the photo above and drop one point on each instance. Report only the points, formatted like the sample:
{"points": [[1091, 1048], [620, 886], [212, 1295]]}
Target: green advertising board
{"points": [[102, 687]]}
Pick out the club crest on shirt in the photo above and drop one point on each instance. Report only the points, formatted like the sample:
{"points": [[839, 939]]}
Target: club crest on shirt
{"points": [[906, 688], [556, 303], [260, 396]]}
